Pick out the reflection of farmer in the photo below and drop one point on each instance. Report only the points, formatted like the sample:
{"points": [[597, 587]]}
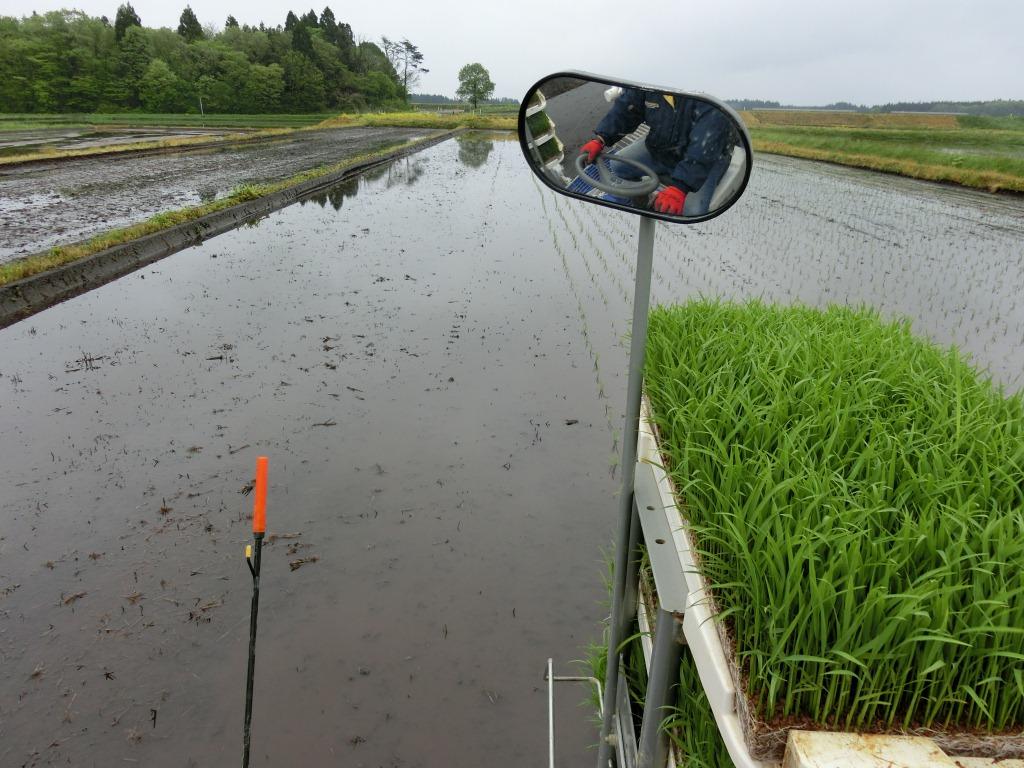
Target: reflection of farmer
{"points": [[689, 146]]}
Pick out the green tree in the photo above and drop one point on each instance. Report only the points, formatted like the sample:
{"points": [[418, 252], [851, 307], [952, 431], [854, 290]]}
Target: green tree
{"points": [[160, 90], [126, 17], [291, 21], [474, 84], [189, 26], [406, 60], [264, 88], [302, 41], [303, 84], [133, 58], [230, 22]]}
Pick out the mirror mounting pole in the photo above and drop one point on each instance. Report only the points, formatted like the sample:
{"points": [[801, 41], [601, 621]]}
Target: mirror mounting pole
{"points": [[624, 558]]}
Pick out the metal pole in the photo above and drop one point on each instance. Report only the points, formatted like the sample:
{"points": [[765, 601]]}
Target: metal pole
{"points": [[637, 348], [254, 566], [551, 716], [253, 559], [661, 679]]}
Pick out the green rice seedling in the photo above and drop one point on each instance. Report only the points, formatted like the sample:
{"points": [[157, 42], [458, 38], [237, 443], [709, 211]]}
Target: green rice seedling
{"points": [[856, 497]]}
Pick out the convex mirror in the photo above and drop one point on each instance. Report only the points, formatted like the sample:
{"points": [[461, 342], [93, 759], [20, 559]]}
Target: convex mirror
{"points": [[663, 153]]}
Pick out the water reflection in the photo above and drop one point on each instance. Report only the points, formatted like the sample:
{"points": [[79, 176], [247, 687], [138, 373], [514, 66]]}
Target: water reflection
{"points": [[474, 150], [403, 171]]}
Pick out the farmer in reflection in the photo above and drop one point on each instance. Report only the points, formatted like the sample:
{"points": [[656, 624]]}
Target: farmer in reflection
{"points": [[689, 146]]}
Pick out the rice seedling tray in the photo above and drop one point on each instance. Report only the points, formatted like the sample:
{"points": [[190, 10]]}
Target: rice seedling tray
{"points": [[751, 740]]}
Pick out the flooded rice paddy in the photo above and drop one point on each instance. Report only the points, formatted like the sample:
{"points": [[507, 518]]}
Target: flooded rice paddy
{"points": [[48, 204], [433, 359], [71, 138]]}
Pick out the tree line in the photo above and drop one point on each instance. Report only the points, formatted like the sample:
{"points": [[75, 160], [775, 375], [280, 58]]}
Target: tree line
{"points": [[67, 61]]}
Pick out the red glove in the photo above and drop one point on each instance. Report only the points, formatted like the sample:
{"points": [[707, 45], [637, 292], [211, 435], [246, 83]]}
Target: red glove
{"points": [[592, 149], [670, 200]]}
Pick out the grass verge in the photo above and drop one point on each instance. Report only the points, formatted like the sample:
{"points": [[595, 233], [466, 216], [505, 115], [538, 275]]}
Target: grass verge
{"points": [[856, 499], [984, 153], [423, 120], [66, 254]]}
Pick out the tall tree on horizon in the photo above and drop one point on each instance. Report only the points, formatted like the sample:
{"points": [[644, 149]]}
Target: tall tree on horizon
{"points": [[189, 26], [406, 60], [126, 17]]}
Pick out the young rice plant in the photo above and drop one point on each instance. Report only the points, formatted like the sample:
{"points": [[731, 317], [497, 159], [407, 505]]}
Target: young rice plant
{"points": [[855, 495]]}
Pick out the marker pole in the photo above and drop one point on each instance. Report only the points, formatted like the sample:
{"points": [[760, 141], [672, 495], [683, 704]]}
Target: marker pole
{"points": [[252, 559]]}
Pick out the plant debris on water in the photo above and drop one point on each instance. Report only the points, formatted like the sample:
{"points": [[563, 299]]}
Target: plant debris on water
{"points": [[855, 495]]}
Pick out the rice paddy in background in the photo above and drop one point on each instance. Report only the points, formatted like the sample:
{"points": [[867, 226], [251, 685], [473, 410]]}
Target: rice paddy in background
{"points": [[981, 152]]}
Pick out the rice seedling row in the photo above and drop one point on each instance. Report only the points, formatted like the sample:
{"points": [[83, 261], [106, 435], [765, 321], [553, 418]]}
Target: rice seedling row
{"points": [[871, 482]]}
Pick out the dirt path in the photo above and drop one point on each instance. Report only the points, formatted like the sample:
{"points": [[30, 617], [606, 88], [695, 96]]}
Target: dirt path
{"points": [[46, 205]]}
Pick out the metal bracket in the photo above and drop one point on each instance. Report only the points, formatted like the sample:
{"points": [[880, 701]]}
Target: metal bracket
{"points": [[661, 548]]}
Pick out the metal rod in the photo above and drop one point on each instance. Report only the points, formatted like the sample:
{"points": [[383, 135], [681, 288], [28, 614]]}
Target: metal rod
{"points": [[259, 528], [637, 348], [661, 680], [258, 551], [551, 717]]}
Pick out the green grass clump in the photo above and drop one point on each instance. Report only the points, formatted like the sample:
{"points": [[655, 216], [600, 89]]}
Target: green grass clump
{"points": [[856, 496], [423, 120]]}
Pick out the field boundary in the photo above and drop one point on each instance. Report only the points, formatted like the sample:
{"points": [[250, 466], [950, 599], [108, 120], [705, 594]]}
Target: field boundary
{"points": [[23, 298], [992, 182], [127, 150]]}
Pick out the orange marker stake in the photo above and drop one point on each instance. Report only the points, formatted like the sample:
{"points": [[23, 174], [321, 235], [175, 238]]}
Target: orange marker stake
{"points": [[259, 508], [259, 528]]}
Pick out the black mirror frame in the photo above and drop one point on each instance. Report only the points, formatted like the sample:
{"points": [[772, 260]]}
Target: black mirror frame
{"points": [[744, 137]]}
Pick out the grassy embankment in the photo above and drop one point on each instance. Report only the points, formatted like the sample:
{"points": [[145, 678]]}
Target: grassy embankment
{"points": [[65, 254], [425, 120], [981, 152], [872, 481]]}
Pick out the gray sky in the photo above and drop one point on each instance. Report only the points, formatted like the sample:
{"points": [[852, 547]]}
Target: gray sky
{"points": [[794, 51]]}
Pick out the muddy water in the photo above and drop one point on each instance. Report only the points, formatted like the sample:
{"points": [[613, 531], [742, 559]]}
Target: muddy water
{"points": [[405, 353], [44, 205], [432, 359]]}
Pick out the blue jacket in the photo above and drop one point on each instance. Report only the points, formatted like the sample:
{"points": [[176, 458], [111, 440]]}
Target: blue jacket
{"points": [[688, 137]]}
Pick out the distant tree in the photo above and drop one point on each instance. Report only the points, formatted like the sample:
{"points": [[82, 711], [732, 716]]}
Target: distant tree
{"points": [[263, 88], [291, 21], [132, 61], [303, 84], [474, 84], [302, 41], [160, 90], [231, 22], [126, 17], [406, 60], [329, 25], [189, 26], [309, 18]]}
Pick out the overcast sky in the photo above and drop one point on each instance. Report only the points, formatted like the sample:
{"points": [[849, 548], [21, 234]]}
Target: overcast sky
{"points": [[794, 51]]}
